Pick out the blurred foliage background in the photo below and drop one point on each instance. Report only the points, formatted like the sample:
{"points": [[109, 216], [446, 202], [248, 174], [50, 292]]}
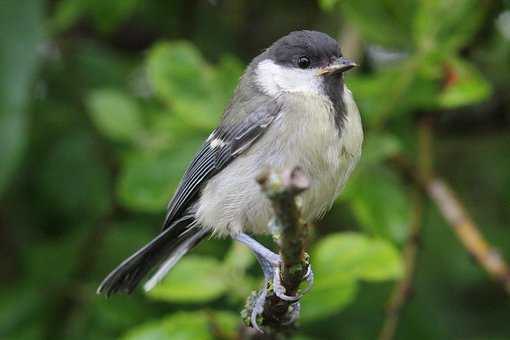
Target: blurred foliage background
{"points": [[103, 103]]}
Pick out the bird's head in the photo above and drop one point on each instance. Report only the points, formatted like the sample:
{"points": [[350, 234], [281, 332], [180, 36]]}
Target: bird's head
{"points": [[302, 61]]}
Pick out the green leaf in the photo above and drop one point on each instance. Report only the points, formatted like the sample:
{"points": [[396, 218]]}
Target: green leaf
{"points": [[345, 256], [339, 261], [379, 147], [382, 262], [106, 14], [328, 296], [377, 94], [453, 30], [115, 114], [201, 113], [177, 71], [236, 264], [383, 22], [183, 326], [187, 326], [465, 85], [379, 202], [239, 257], [196, 92], [395, 91], [226, 77], [226, 322], [328, 5], [194, 279], [20, 33], [148, 179], [67, 12]]}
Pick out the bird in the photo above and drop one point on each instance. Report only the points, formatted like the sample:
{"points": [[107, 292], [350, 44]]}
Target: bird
{"points": [[291, 108]]}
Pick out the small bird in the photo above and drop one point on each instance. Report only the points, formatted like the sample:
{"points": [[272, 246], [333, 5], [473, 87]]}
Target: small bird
{"points": [[291, 108]]}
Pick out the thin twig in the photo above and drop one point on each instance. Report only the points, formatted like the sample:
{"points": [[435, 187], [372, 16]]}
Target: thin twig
{"points": [[282, 188], [468, 232], [454, 212], [403, 289]]}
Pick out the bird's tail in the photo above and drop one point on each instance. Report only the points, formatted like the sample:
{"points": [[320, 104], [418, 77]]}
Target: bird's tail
{"points": [[165, 250]]}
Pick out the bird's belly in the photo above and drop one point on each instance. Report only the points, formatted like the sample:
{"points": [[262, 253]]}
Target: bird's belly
{"points": [[306, 137]]}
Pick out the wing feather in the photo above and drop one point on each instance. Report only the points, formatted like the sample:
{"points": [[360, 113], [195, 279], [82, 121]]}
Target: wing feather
{"points": [[223, 145]]}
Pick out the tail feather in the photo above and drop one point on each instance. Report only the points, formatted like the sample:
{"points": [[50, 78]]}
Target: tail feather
{"points": [[176, 255], [172, 243]]}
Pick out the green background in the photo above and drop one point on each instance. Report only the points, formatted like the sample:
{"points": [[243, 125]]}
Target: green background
{"points": [[103, 103]]}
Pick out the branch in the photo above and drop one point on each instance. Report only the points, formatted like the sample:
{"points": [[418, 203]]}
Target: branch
{"points": [[282, 188], [403, 289], [454, 212], [282, 191], [468, 232]]}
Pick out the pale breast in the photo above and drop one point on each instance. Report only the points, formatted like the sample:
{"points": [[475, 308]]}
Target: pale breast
{"points": [[327, 156], [303, 135]]}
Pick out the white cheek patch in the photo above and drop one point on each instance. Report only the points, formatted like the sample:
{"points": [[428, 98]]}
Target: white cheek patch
{"points": [[275, 79]]}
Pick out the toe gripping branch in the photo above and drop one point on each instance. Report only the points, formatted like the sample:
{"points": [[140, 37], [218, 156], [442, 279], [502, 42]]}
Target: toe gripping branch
{"points": [[276, 306]]}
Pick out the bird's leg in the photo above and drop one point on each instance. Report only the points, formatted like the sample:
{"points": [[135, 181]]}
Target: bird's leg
{"points": [[267, 259], [270, 264]]}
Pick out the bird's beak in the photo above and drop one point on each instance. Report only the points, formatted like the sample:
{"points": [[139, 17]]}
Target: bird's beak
{"points": [[340, 65]]}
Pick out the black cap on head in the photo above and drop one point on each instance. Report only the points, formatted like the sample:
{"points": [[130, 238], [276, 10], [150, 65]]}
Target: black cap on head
{"points": [[304, 49]]}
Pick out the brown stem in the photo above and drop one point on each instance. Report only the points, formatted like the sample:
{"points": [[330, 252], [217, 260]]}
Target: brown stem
{"points": [[454, 212], [468, 232], [282, 188], [282, 192], [403, 289]]}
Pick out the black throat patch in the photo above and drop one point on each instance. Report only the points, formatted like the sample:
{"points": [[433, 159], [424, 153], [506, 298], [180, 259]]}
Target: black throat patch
{"points": [[334, 89]]}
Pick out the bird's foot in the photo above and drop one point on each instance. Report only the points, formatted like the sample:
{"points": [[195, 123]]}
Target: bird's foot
{"points": [[273, 285], [271, 264], [256, 308], [280, 291]]}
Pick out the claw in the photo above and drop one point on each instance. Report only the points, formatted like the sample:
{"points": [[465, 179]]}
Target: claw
{"points": [[309, 280], [279, 289], [294, 311], [258, 309], [270, 264]]}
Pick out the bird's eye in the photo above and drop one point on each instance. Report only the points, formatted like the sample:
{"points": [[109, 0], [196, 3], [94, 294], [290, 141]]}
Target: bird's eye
{"points": [[303, 62]]}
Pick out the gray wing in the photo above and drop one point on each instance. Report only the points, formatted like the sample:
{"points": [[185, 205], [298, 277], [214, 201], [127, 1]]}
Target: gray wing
{"points": [[225, 143]]}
